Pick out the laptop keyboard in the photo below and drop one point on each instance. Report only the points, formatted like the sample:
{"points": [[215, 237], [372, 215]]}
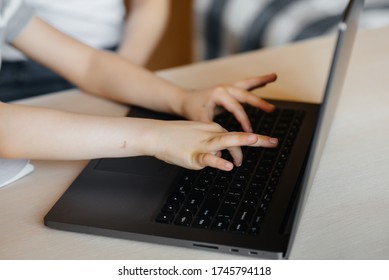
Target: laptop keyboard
{"points": [[238, 200]]}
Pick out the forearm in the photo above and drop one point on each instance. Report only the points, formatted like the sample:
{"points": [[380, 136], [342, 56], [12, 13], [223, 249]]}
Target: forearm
{"points": [[145, 25], [119, 80], [97, 72], [39, 133]]}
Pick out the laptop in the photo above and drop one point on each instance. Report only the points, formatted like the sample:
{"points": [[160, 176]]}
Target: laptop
{"points": [[253, 210]]}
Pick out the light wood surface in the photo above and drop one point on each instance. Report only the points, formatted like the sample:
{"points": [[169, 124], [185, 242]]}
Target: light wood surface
{"points": [[347, 213]]}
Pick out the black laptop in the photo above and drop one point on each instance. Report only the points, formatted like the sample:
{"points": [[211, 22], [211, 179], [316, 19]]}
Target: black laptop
{"points": [[252, 210]]}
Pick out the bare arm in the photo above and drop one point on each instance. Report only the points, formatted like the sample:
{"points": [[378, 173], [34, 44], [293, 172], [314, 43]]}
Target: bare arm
{"points": [[145, 24], [37, 133], [40, 133], [100, 73], [107, 75]]}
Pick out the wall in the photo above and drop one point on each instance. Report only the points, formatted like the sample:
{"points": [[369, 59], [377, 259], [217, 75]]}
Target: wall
{"points": [[175, 47]]}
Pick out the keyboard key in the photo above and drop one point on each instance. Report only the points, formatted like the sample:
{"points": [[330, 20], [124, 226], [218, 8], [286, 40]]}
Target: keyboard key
{"points": [[232, 199], [176, 198], [254, 230], [209, 208], [258, 218], [221, 224], [239, 227], [224, 177], [201, 223], [245, 214], [165, 218], [184, 188], [189, 211], [209, 171], [206, 212], [194, 199], [205, 181], [250, 200], [242, 177], [183, 220], [238, 184], [216, 194], [170, 208], [188, 177], [226, 211]]}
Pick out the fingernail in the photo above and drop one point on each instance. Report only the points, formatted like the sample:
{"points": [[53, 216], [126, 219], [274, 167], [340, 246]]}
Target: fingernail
{"points": [[272, 107], [273, 140], [229, 165]]}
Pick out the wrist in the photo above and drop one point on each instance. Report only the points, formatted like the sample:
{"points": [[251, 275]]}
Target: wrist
{"points": [[177, 104], [148, 142]]}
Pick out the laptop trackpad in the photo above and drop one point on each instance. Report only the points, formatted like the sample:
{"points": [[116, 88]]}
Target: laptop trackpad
{"points": [[143, 165]]}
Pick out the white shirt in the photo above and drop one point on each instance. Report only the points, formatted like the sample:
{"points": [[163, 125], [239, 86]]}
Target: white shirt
{"points": [[14, 15], [98, 23]]}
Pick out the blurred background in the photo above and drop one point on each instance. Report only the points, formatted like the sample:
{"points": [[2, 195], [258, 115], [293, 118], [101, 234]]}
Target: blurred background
{"points": [[207, 29]]}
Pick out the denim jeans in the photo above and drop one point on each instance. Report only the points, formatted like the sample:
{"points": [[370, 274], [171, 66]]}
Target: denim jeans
{"points": [[22, 79]]}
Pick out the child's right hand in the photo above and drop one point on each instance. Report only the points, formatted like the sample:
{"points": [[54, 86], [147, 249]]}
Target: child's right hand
{"points": [[195, 145], [201, 105]]}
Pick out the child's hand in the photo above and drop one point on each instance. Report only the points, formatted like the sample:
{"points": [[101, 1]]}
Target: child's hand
{"points": [[195, 145], [200, 105]]}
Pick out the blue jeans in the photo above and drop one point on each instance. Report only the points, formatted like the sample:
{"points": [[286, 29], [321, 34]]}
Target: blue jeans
{"points": [[24, 79]]}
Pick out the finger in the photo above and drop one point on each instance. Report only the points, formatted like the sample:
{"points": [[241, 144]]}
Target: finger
{"points": [[232, 141], [231, 104], [244, 96], [256, 82], [253, 140], [214, 161], [237, 155], [265, 141], [237, 139]]}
